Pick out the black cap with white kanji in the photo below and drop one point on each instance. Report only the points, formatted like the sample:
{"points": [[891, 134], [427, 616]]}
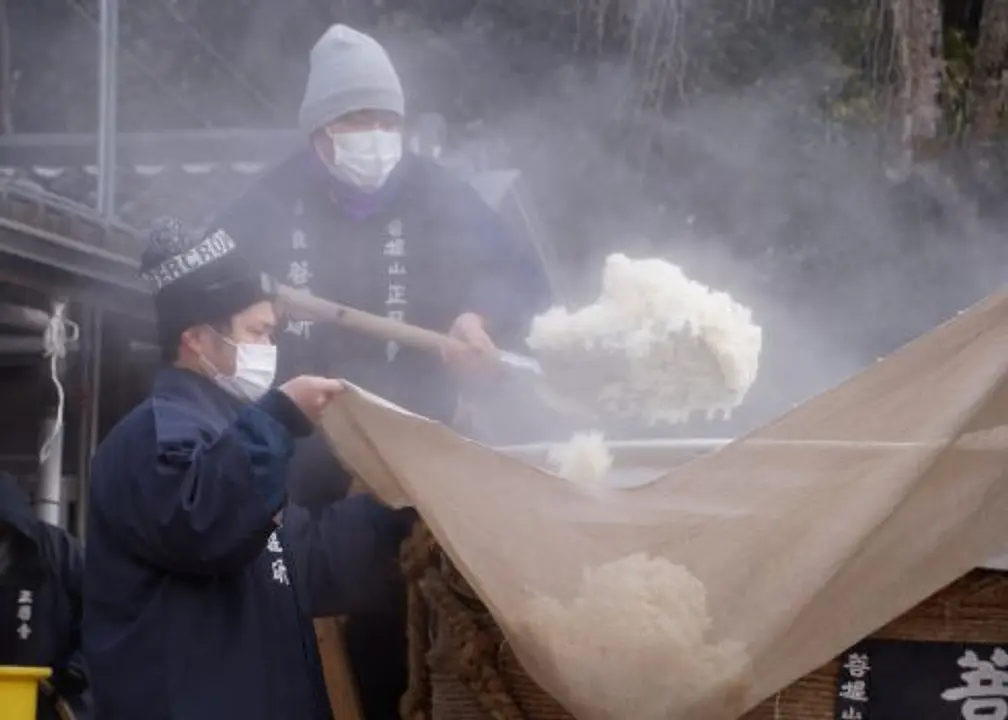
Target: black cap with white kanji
{"points": [[197, 278]]}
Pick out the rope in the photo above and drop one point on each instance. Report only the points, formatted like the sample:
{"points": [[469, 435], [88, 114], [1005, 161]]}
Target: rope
{"points": [[59, 333], [416, 557], [468, 650], [413, 704]]}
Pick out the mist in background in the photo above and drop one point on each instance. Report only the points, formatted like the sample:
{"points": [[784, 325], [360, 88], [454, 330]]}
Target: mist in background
{"points": [[747, 185], [754, 191]]}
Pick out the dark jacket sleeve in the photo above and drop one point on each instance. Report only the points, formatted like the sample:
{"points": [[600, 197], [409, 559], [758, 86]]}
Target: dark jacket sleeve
{"points": [[346, 555], [509, 285], [208, 505], [316, 477], [259, 220], [72, 679]]}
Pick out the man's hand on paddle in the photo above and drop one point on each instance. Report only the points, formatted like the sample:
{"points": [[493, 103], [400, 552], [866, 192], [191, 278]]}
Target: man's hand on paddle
{"points": [[473, 350]]}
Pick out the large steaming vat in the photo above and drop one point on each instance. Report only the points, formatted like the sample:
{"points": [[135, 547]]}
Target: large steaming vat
{"points": [[639, 462]]}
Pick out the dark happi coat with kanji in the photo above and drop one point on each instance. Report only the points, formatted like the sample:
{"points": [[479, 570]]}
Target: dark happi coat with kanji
{"points": [[200, 579], [424, 249]]}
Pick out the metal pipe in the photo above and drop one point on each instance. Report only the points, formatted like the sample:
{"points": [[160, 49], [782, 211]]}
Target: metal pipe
{"points": [[145, 348], [669, 451], [108, 81], [49, 492], [718, 443], [21, 345], [20, 316], [67, 243], [26, 464], [153, 148]]}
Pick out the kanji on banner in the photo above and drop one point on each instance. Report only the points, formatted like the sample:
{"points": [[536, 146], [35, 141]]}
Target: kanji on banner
{"points": [[898, 680]]}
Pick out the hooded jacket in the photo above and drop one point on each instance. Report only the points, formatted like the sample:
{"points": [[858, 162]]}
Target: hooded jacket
{"points": [[40, 600], [197, 605]]}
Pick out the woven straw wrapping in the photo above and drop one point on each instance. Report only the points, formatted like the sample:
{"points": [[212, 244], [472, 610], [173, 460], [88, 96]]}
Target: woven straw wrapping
{"points": [[472, 674]]}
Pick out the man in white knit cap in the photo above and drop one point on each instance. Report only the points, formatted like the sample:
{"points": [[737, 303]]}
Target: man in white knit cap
{"points": [[355, 218], [354, 109]]}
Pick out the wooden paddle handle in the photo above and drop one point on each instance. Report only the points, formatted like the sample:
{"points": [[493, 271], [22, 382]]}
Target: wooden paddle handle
{"points": [[336, 671], [305, 306]]}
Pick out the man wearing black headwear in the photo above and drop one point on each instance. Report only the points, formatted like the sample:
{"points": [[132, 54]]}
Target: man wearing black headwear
{"points": [[200, 583], [40, 602]]}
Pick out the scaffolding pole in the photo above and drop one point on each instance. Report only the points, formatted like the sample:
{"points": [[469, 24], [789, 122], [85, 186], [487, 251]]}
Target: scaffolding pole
{"points": [[49, 491], [108, 82], [92, 319]]}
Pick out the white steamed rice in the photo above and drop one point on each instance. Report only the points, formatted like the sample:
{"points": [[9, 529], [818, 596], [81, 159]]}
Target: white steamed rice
{"points": [[688, 348]]}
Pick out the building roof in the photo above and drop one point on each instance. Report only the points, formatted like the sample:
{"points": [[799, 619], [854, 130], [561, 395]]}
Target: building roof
{"points": [[191, 174], [191, 191], [48, 186], [223, 145], [64, 248]]}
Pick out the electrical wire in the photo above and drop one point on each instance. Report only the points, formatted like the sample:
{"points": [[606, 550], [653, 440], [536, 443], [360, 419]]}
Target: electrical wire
{"points": [[143, 67], [224, 62]]}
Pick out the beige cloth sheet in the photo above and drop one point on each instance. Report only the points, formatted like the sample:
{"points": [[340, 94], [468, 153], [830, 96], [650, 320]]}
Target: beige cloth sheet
{"points": [[808, 534]]}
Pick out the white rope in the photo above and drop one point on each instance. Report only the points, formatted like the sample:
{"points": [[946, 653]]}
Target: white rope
{"points": [[59, 333]]}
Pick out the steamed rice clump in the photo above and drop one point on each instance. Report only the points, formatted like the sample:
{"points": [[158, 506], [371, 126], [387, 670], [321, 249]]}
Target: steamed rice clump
{"points": [[635, 642], [584, 460], [686, 348]]}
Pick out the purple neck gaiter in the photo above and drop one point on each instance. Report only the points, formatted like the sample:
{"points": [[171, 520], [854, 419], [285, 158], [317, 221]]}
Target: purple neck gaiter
{"points": [[356, 203]]}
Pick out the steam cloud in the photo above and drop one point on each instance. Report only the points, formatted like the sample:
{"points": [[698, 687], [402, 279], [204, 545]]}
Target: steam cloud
{"points": [[750, 190]]}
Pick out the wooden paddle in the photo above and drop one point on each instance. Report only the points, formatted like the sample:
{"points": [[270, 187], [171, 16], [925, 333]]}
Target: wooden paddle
{"points": [[303, 305]]}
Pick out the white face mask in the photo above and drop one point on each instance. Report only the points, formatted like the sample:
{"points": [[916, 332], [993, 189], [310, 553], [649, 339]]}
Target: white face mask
{"points": [[255, 370], [365, 159]]}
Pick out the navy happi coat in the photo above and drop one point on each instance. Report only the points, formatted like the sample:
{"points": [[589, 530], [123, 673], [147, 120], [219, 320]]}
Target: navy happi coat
{"points": [[40, 602], [196, 604], [424, 249]]}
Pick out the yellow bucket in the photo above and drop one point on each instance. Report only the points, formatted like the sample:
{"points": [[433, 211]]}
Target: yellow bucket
{"points": [[19, 689]]}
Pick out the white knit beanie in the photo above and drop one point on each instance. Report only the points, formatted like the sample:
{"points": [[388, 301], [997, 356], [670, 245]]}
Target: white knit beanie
{"points": [[349, 71]]}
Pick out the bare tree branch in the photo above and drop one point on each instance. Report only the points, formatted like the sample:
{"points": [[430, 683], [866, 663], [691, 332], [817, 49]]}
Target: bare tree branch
{"points": [[988, 83], [917, 26]]}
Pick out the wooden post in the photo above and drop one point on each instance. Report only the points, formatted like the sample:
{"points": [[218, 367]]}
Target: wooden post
{"points": [[339, 679]]}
